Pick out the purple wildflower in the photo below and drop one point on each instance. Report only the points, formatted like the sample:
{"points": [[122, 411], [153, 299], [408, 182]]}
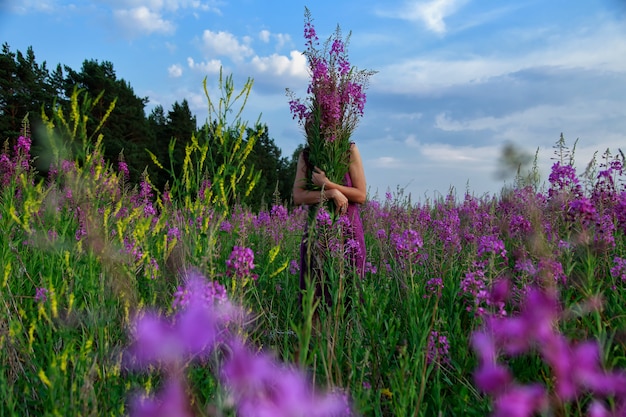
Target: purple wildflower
{"points": [[171, 401], [433, 287], [563, 178], [240, 263], [491, 245], [438, 348], [619, 268], [201, 319], [521, 401], [408, 245], [294, 267], [123, 168], [41, 294], [262, 387], [226, 226]]}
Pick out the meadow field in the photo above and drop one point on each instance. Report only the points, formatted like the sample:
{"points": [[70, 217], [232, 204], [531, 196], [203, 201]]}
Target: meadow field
{"points": [[128, 300]]}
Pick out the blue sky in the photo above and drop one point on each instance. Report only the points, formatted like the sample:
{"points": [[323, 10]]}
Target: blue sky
{"points": [[456, 81]]}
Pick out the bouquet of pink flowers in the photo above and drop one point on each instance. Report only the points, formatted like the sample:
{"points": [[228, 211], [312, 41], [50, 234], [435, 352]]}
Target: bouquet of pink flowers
{"points": [[335, 102]]}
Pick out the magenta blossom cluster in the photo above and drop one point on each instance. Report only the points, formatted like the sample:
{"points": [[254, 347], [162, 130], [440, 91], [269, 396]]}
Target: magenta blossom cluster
{"points": [[563, 178], [263, 387], [576, 367], [438, 349], [192, 333], [334, 103], [240, 263], [10, 165], [41, 294], [408, 247], [336, 90]]}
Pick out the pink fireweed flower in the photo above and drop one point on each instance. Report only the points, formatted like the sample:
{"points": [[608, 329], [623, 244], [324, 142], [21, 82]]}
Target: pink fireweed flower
{"points": [[323, 217], [41, 295], [334, 103], [294, 267], [563, 177], [262, 387], [371, 268], [123, 168], [491, 244], [226, 226], [22, 147], [619, 268], [279, 212], [68, 166], [433, 287], [170, 401], [408, 246], [240, 263], [6, 170], [551, 270], [200, 321], [438, 348], [597, 409], [521, 401], [582, 208], [211, 293], [205, 189], [577, 369], [534, 324]]}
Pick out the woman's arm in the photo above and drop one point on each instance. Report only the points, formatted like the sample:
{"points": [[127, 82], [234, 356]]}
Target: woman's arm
{"points": [[303, 196], [355, 194]]}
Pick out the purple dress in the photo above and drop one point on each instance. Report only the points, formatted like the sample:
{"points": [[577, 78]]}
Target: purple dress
{"points": [[353, 244]]}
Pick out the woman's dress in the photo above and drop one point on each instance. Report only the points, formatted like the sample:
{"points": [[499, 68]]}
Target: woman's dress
{"points": [[353, 247]]}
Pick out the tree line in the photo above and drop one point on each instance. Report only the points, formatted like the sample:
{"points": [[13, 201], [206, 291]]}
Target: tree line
{"points": [[29, 89]]}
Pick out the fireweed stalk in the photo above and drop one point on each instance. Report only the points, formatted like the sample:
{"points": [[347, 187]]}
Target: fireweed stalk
{"points": [[335, 102]]}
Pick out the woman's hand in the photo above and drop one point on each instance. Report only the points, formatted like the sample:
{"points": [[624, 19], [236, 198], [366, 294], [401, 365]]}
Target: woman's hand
{"points": [[341, 201], [319, 178]]}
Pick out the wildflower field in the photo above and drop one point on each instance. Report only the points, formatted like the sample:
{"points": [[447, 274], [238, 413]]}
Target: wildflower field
{"points": [[128, 300]]}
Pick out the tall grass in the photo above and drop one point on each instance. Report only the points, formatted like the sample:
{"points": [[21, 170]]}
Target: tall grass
{"points": [[84, 254]]}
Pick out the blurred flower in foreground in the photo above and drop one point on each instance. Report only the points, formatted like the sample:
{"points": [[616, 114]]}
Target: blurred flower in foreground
{"points": [[262, 387], [200, 322], [206, 322], [576, 367], [172, 401]]}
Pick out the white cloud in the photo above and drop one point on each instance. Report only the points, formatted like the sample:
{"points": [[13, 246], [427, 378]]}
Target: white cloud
{"points": [[450, 154], [603, 49], [26, 6], [294, 65], [385, 162], [281, 39], [431, 13], [574, 115], [264, 35], [211, 67], [165, 5], [175, 71], [171, 47], [142, 20], [145, 17], [225, 44]]}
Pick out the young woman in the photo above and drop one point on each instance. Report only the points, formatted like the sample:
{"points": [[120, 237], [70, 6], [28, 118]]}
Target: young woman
{"points": [[347, 197]]}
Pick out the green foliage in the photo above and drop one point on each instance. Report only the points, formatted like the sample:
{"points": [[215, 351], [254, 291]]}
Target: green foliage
{"points": [[28, 89]]}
